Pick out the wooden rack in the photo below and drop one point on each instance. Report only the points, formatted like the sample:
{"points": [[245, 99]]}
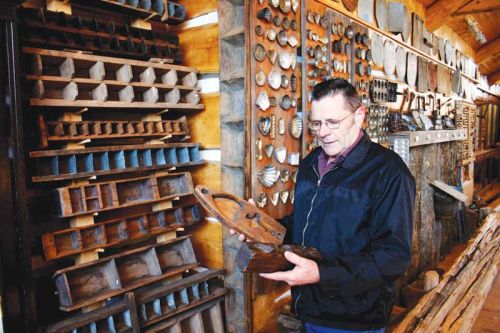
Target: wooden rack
{"points": [[76, 131], [73, 241], [76, 80], [88, 283], [118, 317], [97, 197], [159, 302], [54, 165]]}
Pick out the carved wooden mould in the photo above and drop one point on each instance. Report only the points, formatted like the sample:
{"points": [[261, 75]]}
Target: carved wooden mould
{"points": [[54, 165], [204, 318], [159, 302], [85, 284], [73, 241], [96, 197], [240, 215], [75, 131], [117, 317], [75, 80], [268, 258], [267, 255]]}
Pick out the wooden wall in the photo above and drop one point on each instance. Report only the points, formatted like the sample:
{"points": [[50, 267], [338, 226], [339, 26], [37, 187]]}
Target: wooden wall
{"points": [[199, 41]]}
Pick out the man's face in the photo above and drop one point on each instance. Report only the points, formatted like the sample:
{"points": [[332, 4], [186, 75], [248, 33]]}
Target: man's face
{"points": [[333, 109]]}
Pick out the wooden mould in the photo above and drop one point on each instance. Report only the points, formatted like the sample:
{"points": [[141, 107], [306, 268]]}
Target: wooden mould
{"points": [[207, 318], [238, 214], [84, 284], [241, 216], [77, 131], [268, 258], [73, 241], [97, 197], [53, 165], [42, 27], [119, 317], [156, 303], [75, 80]]}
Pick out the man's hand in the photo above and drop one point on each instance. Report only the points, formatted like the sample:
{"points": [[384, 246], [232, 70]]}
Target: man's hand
{"points": [[241, 237], [305, 271]]}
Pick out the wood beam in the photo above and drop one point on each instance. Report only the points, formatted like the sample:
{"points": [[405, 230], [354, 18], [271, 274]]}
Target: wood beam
{"points": [[477, 6], [494, 77], [438, 13], [488, 50]]}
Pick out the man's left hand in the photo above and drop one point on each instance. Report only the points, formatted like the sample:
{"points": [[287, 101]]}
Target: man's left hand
{"points": [[305, 271]]}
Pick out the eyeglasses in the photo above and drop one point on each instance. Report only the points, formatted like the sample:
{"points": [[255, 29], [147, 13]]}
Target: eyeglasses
{"points": [[315, 125]]}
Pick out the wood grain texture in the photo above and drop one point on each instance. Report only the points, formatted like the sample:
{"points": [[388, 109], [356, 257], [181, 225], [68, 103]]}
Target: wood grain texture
{"points": [[198, 8], [200, 48], [205, 126], [207, 243], [209, 175]]}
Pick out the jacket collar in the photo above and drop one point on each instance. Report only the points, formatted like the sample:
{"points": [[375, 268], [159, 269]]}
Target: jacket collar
{"points": [[353, 159]]}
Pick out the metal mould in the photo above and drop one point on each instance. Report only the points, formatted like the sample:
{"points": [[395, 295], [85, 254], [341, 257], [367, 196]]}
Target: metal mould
{"points": [[258, 149], [262, 101], [271, 35], [274, 79], [259, 52], [284, 175], [261, 200], [285, 5], [264, 14], [285, 81], [296, 127], [260, 78], [281, 126], [272, 55], [294, 158], [284, 197], [268, 176], [274, 198], [269, 149], [282, 38], [280, 154], [293, 175], [285, 102], [292, 41], [264, 125], [285, 60], [259, 31]]}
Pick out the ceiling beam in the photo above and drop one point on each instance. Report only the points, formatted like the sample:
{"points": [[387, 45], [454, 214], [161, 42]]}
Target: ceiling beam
{"points": [[477, 6], [439, 12], [476, 11], [488, 50], [494, 77]]}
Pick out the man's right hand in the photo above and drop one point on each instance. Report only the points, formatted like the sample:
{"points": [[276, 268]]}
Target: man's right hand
{"points": [[242, 237]]}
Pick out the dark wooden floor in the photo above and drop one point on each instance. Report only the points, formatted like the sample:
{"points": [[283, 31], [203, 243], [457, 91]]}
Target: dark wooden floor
{"points": [[488, 320]]}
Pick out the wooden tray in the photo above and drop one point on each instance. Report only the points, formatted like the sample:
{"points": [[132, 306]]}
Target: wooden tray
{"points": [[240, 215], [84, 284], [158, 302], [73, 241], [117, 317], [77, 131], [97, 197]]}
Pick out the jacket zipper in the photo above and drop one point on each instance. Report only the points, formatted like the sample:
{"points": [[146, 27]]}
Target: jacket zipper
{"points": [[307, 223]]}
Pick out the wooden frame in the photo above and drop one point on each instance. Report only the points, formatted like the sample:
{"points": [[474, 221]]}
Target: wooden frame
{"points": [[53, 165], [159, 302], [73, 241], [98, 197], [118, 317], [84, 284]]}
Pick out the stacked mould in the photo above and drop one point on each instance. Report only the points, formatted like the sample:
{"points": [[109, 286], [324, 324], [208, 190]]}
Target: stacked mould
{"points": [[275, 93], [112, 135]]}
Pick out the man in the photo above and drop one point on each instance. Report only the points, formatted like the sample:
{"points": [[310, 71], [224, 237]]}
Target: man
{"points": [[353, 202]]}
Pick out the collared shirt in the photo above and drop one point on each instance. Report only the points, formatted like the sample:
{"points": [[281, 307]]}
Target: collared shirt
{"points": [[324, 166]]}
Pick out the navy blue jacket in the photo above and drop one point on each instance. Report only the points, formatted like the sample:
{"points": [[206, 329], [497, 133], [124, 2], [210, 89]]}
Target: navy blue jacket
{"points": [[359, 216]]}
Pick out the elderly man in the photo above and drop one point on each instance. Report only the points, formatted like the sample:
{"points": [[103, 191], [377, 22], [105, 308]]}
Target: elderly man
{"points": [[353, 202]]}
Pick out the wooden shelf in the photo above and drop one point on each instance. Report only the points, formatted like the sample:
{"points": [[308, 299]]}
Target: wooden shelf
{"points": [[79, 104], [388, 35], [420, 138]]}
